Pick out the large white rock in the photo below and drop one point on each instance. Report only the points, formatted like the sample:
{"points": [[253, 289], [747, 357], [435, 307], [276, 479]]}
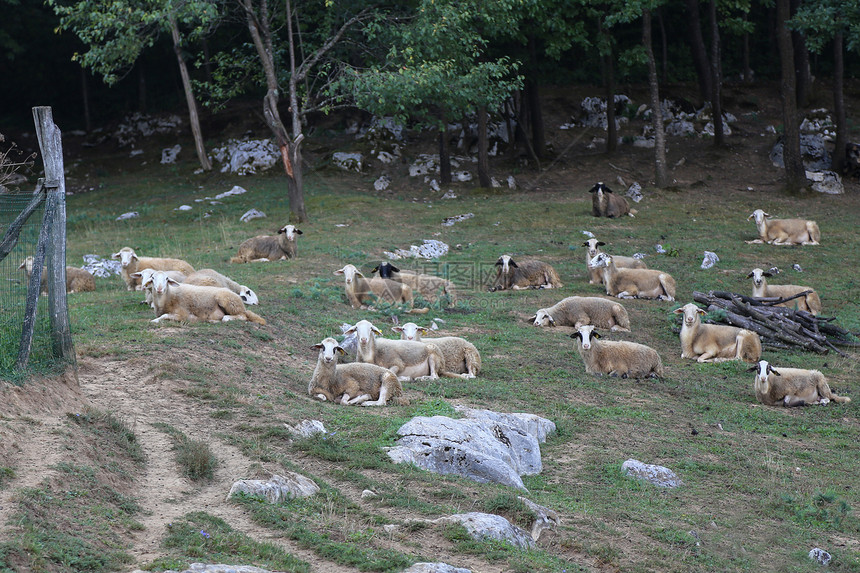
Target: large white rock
{"points": [[657, 475], [435, 568], [279, 488], [483, 526]]}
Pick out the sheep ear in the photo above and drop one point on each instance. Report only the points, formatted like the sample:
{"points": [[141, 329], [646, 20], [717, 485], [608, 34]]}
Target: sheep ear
{"points": [[115, 256], [136, 275], [398, 329], [394, 269], [375, 269], [601, 244], [423, 330], [700, 311], [376, 330], [499, 262], [341, 350], [22, 265], [594, 334], [297, 232], [316, 347], [531, 318], [350, 330], [679, 310], [514, 264], [171, 281], [282, 230], [576, 335], [749, 276], [593, 189], [339, 272], [753, 368], [772, 371], [585, 244], [751, 216]]}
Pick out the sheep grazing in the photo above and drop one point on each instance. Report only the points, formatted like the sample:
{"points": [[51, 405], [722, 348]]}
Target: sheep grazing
{"points": [[619, 358], [634, 283], [810, 302], [360, 290], [715, 342], [211, 277], [430, 287], [355, 383], [596, 275], [578, 311], [784, 231], [525, 274], [605, 203], [131, 264], [175, 301], [461, 357], [77, 280], [791, 387], [406, 358], [266, 248]]}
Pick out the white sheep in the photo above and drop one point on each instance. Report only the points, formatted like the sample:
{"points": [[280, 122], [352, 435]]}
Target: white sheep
{"points": [[784, 231], [616, 358], [175, 301], [77, 280], [524, 274], [131, 263], [634, 283], [360, 290], [211, 277], [596, 275], [355, 383], [407, 359], [430, 287], [265, 248], [792, 387], [577, 311], [810, 302], [605, 203], [461, 356], [715, 342], [144, 276]]}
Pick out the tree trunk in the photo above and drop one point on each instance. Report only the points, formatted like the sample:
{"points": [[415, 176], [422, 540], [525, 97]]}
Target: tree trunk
{"points": [[295, 185], [483, 152], [801, 62], [795, 175], [698, 51], [839, 104], [193, 117], [664, 48], [661, 176], [534, 112], [716, 76]]}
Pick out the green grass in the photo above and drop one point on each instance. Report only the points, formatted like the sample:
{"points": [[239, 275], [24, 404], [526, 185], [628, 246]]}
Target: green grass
{"points": [[194, 458]]}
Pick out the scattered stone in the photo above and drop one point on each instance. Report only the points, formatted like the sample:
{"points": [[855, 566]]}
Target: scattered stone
{"points": [[588, 234], [183, 208], [135, 152], [169, 155], [828, 182], [430, 249], [306, 428], [797, 267], [129, 215], [635, 192], [710, 260], [820, 556], [812, 150], [386, 157], [139, 125], [252, 214], [709, 129], [640, 256], [424, 164], [680, 128], [449, 194], [482, 526], [434, 185], [247, 156], [382, 183], [217, 568], [512, 182], [348, 161], [531, 424], [657, 475], [99, 267], [545, 518], [368, 494], [277, 489], [236, 190], [462, 176], [349, 342], [435, 568], [659, 248], [450, 221]]}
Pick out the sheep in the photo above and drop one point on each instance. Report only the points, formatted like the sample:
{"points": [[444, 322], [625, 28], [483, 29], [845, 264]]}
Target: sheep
{"points": [[360, 289], [175, 301], [596, 275], [460, 356], [791, 387], [577, 311], [144, 275], [211, 277], [77, 280], [266, 248], [810, 302], [605, 203], [784, 231], [634, 283], [406, 358], [525, 274], [715, 342], [131, 263], [618, 358], [430, 287], [355, 383]]}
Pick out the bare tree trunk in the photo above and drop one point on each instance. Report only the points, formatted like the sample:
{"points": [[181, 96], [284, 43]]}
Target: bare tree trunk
{"points": [[534, 112], [801, 62], [716, 76], [295, 184], [483, 152], [839, 103], [661, 176], [795, 175], [698, 51], [193, 117]]}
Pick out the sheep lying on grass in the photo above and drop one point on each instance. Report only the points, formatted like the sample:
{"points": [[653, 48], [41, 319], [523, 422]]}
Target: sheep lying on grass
{"points": [[596, 275], [211, 277], [131, 264], [577, 311], [266, 248], [634, 283], [175, 301], [715, 342], [784, 231], [430, 287], [360, 290], [810, 302], [355, 383], [460, 356], [77, 280], [792, 387], [605, 203], [407, 359], [618, 358], [144, 276], [525, 274]]}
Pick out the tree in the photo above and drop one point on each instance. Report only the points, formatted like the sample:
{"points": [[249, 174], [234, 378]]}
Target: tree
{"points": [[795, 174], [117, 32]]}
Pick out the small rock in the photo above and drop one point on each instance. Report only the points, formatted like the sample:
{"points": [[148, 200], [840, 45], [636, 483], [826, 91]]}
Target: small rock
{"points": [[306, 428], [635, 192], [129, 215], [252, 214], [169, 155], [820, 556], [435, 568], [450, 221], [710, 260], [657, 475], [797, 267], [368, 494], [276, 489], [236, 190], [183, 208], [382, 183]]}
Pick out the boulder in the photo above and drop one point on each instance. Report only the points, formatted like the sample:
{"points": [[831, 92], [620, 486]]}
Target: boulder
{"points": [[435, 568], [276, 489], [828, 182], [483, 526], [657, 475]]}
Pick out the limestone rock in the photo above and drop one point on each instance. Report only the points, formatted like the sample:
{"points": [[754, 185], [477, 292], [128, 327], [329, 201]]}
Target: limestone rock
{"points": [[276, 489], [657, 475], [435, 568], [483, 526]]}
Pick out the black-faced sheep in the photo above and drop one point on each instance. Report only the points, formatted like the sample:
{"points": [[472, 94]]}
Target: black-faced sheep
{"points": [[430, 287], [616, 358], [595, 276], [605, 203], [634, 283], [810, 302], [361, 290], [792, 387]]}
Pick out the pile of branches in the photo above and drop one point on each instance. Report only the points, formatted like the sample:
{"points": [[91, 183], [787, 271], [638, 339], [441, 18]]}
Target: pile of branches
{"points": [[778, 326]]}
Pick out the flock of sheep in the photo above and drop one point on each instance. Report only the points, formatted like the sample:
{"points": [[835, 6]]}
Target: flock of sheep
{"points": [[177, 292]]}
